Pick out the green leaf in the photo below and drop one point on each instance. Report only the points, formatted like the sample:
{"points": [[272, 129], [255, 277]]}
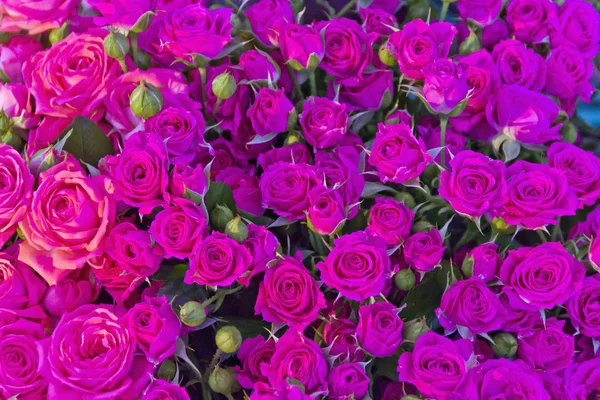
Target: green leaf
{"points": [[425, 298], [387, 366], [219, 193], [86, 141], [248, 327]]}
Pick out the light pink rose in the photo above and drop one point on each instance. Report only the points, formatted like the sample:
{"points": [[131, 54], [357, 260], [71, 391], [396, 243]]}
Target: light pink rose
{"points": [[35, 16]]}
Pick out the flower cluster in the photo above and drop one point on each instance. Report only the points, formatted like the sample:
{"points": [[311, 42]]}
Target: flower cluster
{"points": [[262, 200]]}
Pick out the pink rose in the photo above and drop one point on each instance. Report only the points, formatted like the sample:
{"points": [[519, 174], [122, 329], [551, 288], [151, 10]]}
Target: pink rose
{"points": [[162, 390], [367, 92], [302, 45], [270, 112], [549, 348], [35, 16], [76, 289], [21, 290], [323, 122], [326, 211], [379, 330], [82, 87], [581, 307], [244, 186], [184, 177], [518, 65], [122, 14], [482, 12], [262, 245], [348, 380], [531, 21], [14, 53], [255, 355], [69, 219], [424, 250], [111, 275], [259, 66], [339, 335], [391, 220], [268, 17], [295, 152], [486, 261], [578, 24], [17, 104], [444, 85]]}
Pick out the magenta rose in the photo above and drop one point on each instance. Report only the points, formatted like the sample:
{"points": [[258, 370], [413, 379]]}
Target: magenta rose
{"points": [[531, 21], [324, 122], [195, 30], [437, 366], [482, 77], [177, 228], [244, 185], [297, 357], [339, 335], [493, 379], [259, 66], [268, 18], [486, 261], [121, 14], [301, 46], [118, 282], [348, 48], [554, 384], [255, 355], [16, 192], [20, 362], [379, 330], [162, 390], [86, 73], [35, 16], [470, 307], [17, 104], [68, 221], [186, 178], [549, 348], [134, 249], [326, 211], [531, 207], [482, 12], [367, 92], [420, 43], [13, 55], [582, 169], [445, 85], [475, 184], [140, 172], [582, 379], [358, 266], [111, 370], [518, 65], [118, 110], [543, 276], [399, 117], [378, 21], [424, 250], [78, 288], [21, 290], [578, 24], [391, 220], [285, 187], [289, 294], [582, 307], [397, 154], [390, 6], [262, 245], [348, 380], [519, 317], [294, 153], [217, 260], [155, 327], [568, 76], [270, 111]]}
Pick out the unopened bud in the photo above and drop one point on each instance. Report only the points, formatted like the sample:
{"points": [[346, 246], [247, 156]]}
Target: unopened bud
{"points": [[505, 345], [224, 86], [411, 330], [228, 339], [421, 226], [5, 123], [499, 225], [116, 45], [220, 216], [386, 57], [411, 397], [192, 313], [4, 37], [237, 229], [167, 370], [569, 132], [58, 34], [146, 100], [223, 381], [407, 199], [405, 279], [291, 138], [467, 266]]}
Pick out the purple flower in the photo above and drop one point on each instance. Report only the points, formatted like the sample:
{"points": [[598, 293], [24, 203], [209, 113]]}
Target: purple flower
{"points": [[391, 220], [326, 211], [301, 45], [582, 307], [481, 11], [255, 354], [518, 65], [549, 348], [324, 122], [486, 261], [445, 85], [531, 21], [268, 17], [379, 330], [578, 24], [348, 380], [367, 92], [424, 250], [270, 111]]}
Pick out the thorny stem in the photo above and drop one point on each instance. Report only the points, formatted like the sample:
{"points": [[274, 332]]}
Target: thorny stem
{"points": [[346, 8]]}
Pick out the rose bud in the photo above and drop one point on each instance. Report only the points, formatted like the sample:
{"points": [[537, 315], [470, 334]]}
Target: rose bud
{"points": [[146, 100], [228, 339], [386, 57], [167, 370], [505, 345], [116, 45], [220, 216], [192, 313], [413, 329], [58, 34], [223, 381], [404, 279], [237, 230], [224, 85]]}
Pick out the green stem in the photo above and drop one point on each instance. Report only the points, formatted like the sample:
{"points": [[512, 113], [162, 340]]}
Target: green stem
{"points": [[556, 232], [220, 294], [541, 235], [445, 5], [346, 8], [213, 363], [123, 65], [313, 82], [217, 105], [443, 125], [202, 71], [295, 81]]}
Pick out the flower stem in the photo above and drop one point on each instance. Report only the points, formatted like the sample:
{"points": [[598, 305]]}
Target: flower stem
{"points": [[123, 65], [202, 71], [541, 235], [443, 125], [295, 81], [313, 82], [445, 5], [217, 105], [346, 8]]}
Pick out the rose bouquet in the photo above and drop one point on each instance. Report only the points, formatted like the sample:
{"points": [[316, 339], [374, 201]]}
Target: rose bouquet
{"points": [[277, 199]]}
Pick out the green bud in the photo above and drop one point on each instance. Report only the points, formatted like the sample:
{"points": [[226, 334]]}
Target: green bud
{"points": [[4, 37], [146, 100], [296, 66], [12, 139], [143, 22], [386, 57], [505, 345], [116, 45], [58, 34], [224, 86], [569, 132], [141, 59], [228, 339], [192, 313], [467, 266], [499, 225], [411, 397], [405, 279], [411, 330], [223, 381], [237, 229], [5, 123], [421, 226], [470, 45], [167, 370], [313, 62], [220, 216], [291, 138], [407, 199]]}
